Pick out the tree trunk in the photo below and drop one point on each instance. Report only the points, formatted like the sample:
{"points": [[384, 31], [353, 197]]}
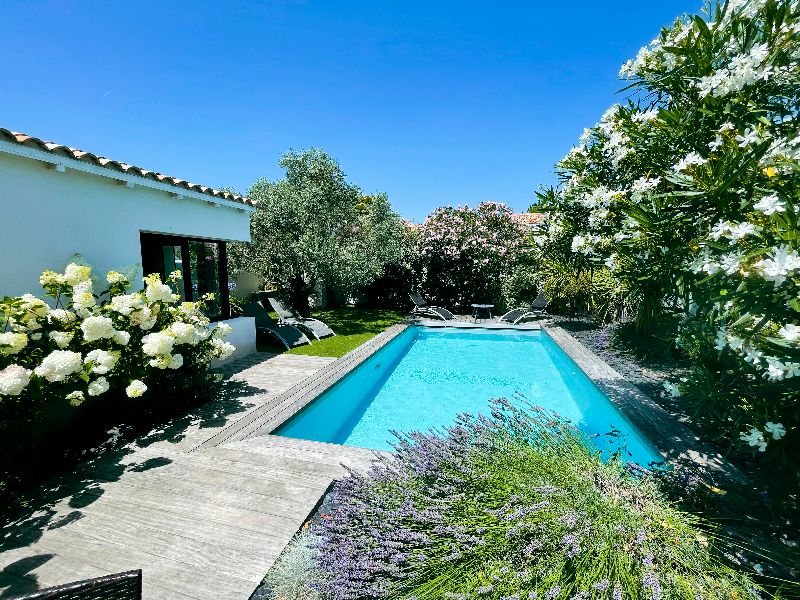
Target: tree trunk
{"points": [[299, 295]]}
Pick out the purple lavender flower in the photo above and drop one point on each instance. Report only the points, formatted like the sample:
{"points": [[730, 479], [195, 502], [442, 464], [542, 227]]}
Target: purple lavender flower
{"points": [[553, 592]]}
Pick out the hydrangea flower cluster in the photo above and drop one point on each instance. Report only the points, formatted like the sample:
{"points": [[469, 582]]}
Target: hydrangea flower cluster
{"points": [[519, 505], [90, 343], [689, 195]]}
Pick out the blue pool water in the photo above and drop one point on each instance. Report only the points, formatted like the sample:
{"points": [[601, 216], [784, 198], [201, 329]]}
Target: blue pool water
{"points": [[427, 376]]}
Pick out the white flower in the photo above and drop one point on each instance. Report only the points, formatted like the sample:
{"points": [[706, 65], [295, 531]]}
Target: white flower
{"points": [[76, 274], [75, 398], [673, 390], [98, 386], [122, 338], [752, 356], [779, 265], [14, 379], [750, 136], [790, 332], [691, 159], [59, 364], [61, 338], [769, 205], [176, 362], [155, 344], [83, 297], [776, 370], [222, 350], [11, 343], [125, 304], [776, 430], [135, 389], [113, 277], [97, 328], [740, 230], [731, 263], [157, 291], [102, 361], [61, 315], [186, 333], [222, 330], [754, 438]]}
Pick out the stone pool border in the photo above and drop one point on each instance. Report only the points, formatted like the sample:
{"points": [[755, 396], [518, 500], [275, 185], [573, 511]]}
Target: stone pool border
{"points": [[669, 436]]}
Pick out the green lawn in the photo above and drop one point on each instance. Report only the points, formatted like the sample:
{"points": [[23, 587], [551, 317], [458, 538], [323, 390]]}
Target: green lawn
{"points": [[353, 327]]}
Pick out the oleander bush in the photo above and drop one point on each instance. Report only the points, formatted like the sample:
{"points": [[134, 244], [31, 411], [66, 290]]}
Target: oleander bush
{"points": [[516, 506], [688, 196], [465, 255], [97, 345]]}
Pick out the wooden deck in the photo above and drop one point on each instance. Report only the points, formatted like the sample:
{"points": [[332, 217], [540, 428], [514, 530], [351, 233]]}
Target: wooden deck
{"points": [[203, 521]]}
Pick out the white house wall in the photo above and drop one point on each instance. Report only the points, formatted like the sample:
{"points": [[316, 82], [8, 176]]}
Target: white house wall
{"points": [[47, 216]]}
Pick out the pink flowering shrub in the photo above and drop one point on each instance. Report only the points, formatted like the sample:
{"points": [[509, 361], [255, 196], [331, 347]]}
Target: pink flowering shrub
{"points": [[465, 255]]}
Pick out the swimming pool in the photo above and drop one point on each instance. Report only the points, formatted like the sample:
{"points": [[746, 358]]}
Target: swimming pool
{"points": [[426, 376]]}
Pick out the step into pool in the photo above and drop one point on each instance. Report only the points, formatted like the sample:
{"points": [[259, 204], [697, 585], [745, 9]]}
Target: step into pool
{"points": [[427, 376]]}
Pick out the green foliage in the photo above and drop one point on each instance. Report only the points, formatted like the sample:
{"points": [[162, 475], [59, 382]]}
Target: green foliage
{"points": [[314, 228]]}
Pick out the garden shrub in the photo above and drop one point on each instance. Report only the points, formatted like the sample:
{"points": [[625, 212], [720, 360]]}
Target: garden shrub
{"points": [[465, 255], [516, 506], [97, 346], [688, 195]]}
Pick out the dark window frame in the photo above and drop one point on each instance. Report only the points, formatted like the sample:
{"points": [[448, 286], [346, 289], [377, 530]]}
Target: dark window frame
{"points": [[153, 262]]}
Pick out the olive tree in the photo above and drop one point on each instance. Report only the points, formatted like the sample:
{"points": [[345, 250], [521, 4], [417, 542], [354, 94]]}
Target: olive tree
{"points": [[314, 228]]}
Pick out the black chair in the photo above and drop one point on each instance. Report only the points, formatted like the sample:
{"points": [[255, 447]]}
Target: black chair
{"points": [[119, 586]]}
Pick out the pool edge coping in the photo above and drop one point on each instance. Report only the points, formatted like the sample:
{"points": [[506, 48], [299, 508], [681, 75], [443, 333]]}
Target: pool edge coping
{"points": [[673, 439]]}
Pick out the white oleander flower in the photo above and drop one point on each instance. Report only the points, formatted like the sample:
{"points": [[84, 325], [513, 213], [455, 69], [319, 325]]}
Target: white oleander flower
{"points": [[61, 338], [61, 315], [98, 386], [750, 136], [673, 390], [122, 338], [222, 330], [156, 344], [14, 379], [777, 267], [11, 343], [76, 274], [790, 332], [97, 328], [776, 430], [754, 438], [740, 230], [690, 160], [75, 398], [769, 205], [135, 389], [59, 364], [102, 361]]}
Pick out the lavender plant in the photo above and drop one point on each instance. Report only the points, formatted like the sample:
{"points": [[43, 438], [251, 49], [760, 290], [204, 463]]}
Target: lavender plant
{"points": [[514, 506]]}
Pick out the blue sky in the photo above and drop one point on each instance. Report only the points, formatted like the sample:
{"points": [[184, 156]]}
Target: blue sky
{"points": [[445, 102]]}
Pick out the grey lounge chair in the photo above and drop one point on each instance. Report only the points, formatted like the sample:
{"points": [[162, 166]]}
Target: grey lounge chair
{"points": [[536, 310], [289, 316], [287, 335], [423, 309]]}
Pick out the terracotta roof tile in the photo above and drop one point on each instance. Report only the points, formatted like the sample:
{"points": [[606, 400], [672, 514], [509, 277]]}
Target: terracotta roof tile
{"points": [[82, 155]]}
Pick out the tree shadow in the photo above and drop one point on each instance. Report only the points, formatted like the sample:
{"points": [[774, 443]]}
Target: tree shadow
{"points": [[62, 498]]}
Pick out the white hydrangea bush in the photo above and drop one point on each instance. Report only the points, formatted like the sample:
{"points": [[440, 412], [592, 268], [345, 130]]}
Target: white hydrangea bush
{"points": [[689, 196], [93, 344]]}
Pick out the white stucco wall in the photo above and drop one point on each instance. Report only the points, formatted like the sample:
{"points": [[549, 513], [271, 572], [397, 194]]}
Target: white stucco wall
{"points": [[243, 336], [46, 217]]}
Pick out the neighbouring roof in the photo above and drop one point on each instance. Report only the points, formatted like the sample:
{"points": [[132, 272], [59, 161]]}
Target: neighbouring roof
{"points": [[529, 218], [113, 165]]}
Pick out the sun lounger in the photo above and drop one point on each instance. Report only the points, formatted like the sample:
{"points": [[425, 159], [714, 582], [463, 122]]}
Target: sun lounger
{"points": [[289, 316], [423, 309], [288, 335]]}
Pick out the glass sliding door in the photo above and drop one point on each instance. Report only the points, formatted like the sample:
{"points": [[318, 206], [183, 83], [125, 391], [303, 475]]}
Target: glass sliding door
{"points": [[203, 263]]}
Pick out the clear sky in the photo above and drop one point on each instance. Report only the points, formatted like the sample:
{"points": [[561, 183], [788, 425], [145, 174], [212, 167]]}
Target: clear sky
{"points": [[433, 102]]}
